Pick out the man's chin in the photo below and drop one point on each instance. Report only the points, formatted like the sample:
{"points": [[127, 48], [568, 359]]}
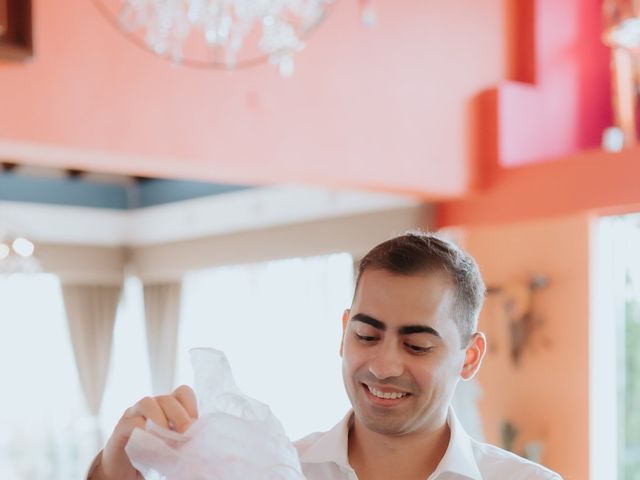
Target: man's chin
{"points": [[393, 429], [382, 424]]}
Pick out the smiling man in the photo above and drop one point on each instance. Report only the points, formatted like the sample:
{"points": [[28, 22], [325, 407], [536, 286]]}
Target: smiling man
{"points": [[409, 337]]}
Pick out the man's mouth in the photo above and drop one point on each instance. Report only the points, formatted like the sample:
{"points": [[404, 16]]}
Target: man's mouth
{"points": [[387, 394]]}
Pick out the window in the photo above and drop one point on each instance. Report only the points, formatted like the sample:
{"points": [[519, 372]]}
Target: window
{"points": [[45, 431], [279, 324], [630, 391], [129, 377], [629, 357], [615, 349]]}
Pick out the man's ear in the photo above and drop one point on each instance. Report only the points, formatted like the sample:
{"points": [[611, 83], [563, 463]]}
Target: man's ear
{"points": [[345, 320], [474, 355]]}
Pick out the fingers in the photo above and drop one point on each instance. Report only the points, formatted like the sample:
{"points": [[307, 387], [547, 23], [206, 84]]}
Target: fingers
{"points": [[178, 417], [125, 427], [187, 398], [175, 412], [149, 409]]}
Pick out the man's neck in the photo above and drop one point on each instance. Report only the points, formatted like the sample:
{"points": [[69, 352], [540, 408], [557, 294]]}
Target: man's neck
{"points": [[412, 456]]}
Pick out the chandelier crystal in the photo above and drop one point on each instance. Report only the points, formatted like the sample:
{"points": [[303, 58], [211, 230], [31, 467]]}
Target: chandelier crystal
{"points": [[271, 29]]}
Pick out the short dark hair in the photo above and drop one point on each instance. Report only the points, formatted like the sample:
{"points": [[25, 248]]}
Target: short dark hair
{"points": [[419, 252]]}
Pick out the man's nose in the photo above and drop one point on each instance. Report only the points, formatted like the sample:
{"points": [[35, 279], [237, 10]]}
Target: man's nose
{"points": [[387, 361]]}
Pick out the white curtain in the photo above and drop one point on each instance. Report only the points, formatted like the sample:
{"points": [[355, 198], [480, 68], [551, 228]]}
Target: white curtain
{"points": [[91, 314], [162, 315]]}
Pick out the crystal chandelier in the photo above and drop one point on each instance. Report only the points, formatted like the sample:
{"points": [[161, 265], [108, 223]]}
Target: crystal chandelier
{"points": [[16, 256], [234, 33]]}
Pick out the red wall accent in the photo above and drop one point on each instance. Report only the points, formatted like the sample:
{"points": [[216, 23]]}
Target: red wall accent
{"points": [[535, 138], [593, 181], [560, 102]]}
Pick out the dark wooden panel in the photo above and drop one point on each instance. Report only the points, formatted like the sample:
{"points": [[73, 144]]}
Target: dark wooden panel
{"points": [[15, 29]]}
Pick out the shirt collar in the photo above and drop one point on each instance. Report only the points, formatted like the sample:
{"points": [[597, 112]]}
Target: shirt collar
{"points": [[459, 457], [332, 446]]}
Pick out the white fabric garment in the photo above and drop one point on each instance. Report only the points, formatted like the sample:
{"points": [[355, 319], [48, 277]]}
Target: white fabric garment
{"points": [[324, 457]]}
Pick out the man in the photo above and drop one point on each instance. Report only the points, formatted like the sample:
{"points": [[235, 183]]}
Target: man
{"points": [[409, 337]]}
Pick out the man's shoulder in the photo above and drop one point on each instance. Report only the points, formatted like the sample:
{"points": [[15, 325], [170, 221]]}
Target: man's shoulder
{"points": [[495, 462]]}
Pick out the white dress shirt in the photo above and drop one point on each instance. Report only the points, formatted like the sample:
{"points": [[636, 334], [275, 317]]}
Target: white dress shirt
{"points": [[324, 456]]}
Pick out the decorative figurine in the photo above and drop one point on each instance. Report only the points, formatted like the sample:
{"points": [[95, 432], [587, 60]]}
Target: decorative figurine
{"points": [[622, 34]]}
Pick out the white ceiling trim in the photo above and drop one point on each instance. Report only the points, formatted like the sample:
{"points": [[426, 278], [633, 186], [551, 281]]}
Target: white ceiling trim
{"points": [[216, 215]]}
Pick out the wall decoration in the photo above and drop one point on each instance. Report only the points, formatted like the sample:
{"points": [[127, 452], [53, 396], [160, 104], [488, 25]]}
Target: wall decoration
{"points": [[516, 299]]}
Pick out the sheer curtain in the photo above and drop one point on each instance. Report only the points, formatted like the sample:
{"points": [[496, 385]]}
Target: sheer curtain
{"points": [[280, 325], [162, 315], [91, 314]]}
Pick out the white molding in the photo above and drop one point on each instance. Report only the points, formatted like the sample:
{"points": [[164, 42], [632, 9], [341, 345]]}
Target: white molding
{"points": [[64, 225], [606, 313], [354, 234], [228, 213]]}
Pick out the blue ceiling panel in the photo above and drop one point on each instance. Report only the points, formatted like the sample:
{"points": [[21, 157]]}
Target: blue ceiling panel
{"points": [[81, 192], [159, 192], [63, 191]]}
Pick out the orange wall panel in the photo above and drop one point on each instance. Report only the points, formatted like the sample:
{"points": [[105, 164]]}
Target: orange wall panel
{"points": [[546, 394]]}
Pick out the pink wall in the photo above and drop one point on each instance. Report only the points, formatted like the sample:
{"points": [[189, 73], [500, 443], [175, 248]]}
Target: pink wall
{"points": [[546, 395], [384, 108], [398, 107]]}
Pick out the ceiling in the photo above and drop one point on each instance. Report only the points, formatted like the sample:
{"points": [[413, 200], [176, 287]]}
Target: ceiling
{"points": [[426, 106]]}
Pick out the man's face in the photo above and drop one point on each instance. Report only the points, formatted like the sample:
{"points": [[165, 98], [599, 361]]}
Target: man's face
{"points": [[401, 351]]}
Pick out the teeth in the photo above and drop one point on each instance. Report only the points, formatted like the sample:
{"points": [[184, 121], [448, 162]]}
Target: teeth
{"points": [[391, 395]]}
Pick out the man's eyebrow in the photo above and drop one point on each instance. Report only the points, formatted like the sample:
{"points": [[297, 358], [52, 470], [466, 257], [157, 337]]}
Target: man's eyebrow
{"points": [[405, 330], [364, 318], [410, 329]]}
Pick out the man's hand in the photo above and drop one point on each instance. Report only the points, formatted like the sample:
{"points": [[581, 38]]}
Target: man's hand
{"points": [[175, 412]]}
